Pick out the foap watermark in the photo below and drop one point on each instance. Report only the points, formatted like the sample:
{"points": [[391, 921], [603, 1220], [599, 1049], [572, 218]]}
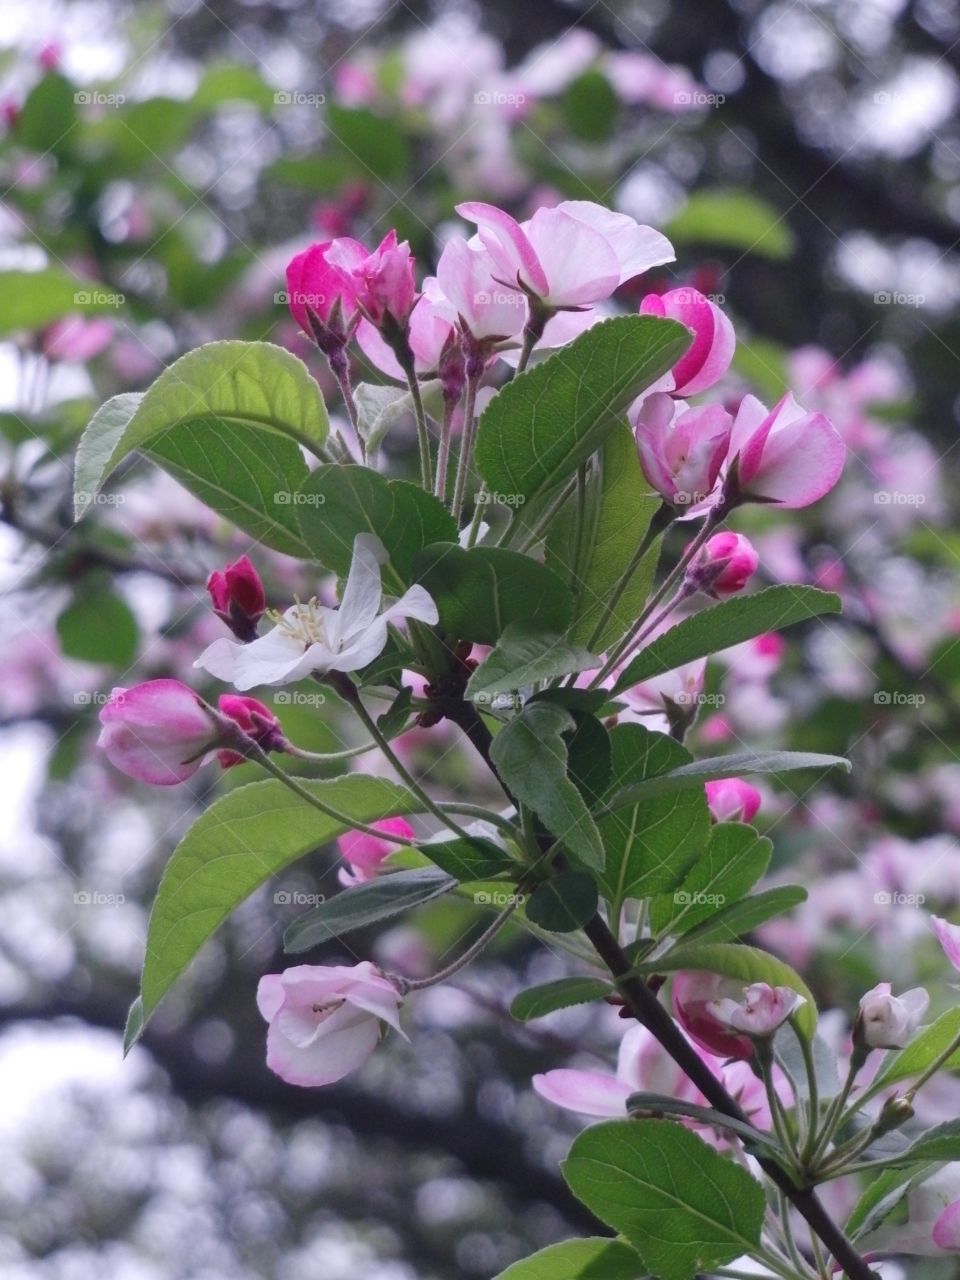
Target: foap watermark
{"points": [[897, 498], [683, 898], [512, 701], [98, 298], [687, 698], [297, 898], [295, 698], [284, 298], [94, 898], [86, 499], [297, 98], [897, 698], [691, 296], [497, 898], [498, 98], [894, 898], [499, 298], [895, 298], [91, 698], [689, 497], [295, 498], [485, 498], [698, 98], [94, 98]]}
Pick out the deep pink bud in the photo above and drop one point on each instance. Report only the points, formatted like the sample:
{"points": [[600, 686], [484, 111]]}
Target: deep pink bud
{"points": [[732, 800], [364, 853], [383, 281], [681, 449], [257, 722], [709, 356], [724, 565], [156, 732], [318, 288], [238, 597]]}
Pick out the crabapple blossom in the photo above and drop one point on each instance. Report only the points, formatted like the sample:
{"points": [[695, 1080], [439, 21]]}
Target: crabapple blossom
{"points": [[466, 286], [696, 997], [732, 799], [156, 732], [760, 1011], [319, 287], [325, 1020], [313, 637], [886, 1021], [708, 358], [785, 454], [948, 935], [238, 597], [382, 281], [429, 333], [365, 852], [681, 449], [257, 722], [76, 338], [724, 565]]}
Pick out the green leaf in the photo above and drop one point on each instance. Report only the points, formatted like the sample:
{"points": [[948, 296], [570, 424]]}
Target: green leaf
{"points": [[548, 420], [48, 117], [885, 1190], [590, 107], [34, 299], [789, 1053], [590, 757], [480, 592], [564, 903], [338, 502], [926, 1045], [735, 860], [746, 965], [250, 478], [381, 150], [941, 1143], [594, 1259], [523, 656], [244, 838], [685, 1208], [232, 82], [738, 918], [692, 776], [367, 903], [650, 846], [646, 1104], [620, 515], [735, 219], [252, 384], [98, 626], [724, 625], [473, 859], [537, 1002], [530, 755]]}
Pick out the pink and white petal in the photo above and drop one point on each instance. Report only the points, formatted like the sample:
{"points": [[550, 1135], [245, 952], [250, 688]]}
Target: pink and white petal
{"points": [[578, 262], [799, 463], [360, 651], [270, 995], [377, 351], [590, 1093], [638, 248], [362, 593], [508, 245], [946, 1229], [749, 417], [948, 935], [328, 1058], [708, 359], [139, 754]]}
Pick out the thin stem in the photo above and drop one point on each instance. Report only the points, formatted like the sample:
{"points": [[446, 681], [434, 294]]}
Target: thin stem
{"points": [[443, 452], [341, 371], [834, 1116], [471, 953], [536, 530], [657, 526], [326, 757], [466, 446], [423, 435], [787, 1229], [813, 1092]]}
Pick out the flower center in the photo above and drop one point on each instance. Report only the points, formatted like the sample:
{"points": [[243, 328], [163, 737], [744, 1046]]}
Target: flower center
{"points": [[304, 623]]}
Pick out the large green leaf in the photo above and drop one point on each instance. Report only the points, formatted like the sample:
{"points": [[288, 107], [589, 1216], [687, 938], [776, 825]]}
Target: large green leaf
{"points": [[564, 903], [99, 626], [724, 625], [480, 592], [34, 299], [522, 656], [684, 1208], [366, 904], [594, 1259], [252, 384], [530, 755], [548, 420], [338, 502], [239, 842], [650, 846], [619, 512], [735, 860]]}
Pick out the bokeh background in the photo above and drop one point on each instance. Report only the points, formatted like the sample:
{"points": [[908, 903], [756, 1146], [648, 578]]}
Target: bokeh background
{"points": [[805, 160]]}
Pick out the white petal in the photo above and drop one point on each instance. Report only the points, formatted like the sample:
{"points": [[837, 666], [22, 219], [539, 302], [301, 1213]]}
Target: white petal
{"points": [[362, 593], [415, 603], [268, 660]]}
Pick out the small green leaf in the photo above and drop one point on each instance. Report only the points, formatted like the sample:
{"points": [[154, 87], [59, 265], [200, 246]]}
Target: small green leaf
{"points": [[735, 860], [537, 1002], [738, 918], [733, 218], [480, 592], [380, 408], [530, 755], [594, 1259], [885, 1190], [926, 1045], [99, 626], [591, 107], [376, 145], [521, 657], [941, 1143], [34, 299], [564, 903], [366, 904], [474, 859], [543, 424], [789, 1053], [685, 1208], [48, 118], [726, 624], [646, 1104]]}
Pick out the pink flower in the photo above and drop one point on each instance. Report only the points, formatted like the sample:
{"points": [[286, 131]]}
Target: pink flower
{"points": [[786, 455], [324, 1021], [365, 853], [681, 449], [696, 995], [430, 334], [257, 722], [886, 1021], [724, 565], [318, 286], [76, 338], [466, 284], [708, 359], [760, 1011], [238, 597], [156, 732], [948, 935], [576, 253], [382, 280], [732, 799]]}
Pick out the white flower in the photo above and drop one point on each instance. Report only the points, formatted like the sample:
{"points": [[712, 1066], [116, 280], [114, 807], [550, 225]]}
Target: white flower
{"points": [[312, 637], [889, 1021]]}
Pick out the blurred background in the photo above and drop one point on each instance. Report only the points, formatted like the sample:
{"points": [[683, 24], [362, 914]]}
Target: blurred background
{"points": [[171, 157]]}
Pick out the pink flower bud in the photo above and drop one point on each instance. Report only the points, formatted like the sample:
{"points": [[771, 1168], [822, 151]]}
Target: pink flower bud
{"points": [[238, 597], [382, 281], [732, 800], [695, 993], [156, 732], [724, 565], [761, 1010], [785, 455], [709, 356], [886, 1021], [318, 288], [324, 1021], [365, 853], [257, 722], [948, 935], [681, 449]]}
